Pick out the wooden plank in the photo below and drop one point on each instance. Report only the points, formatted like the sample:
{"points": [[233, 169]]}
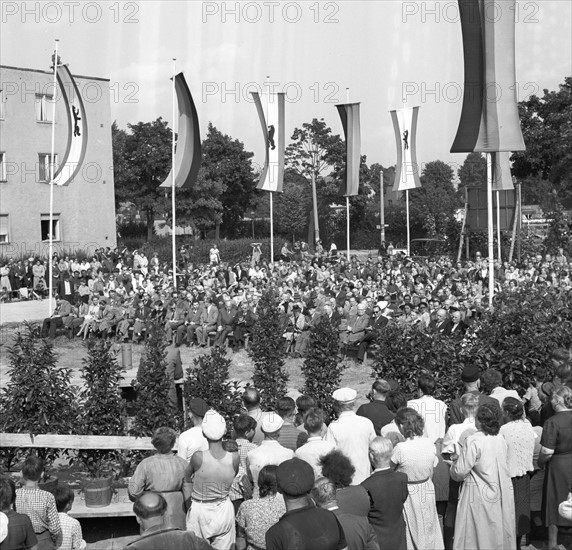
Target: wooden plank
{"points": [[76, 442], [120, 506]]}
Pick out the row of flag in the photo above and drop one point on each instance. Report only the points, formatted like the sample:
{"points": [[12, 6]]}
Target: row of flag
{"points": [[489, 122]]}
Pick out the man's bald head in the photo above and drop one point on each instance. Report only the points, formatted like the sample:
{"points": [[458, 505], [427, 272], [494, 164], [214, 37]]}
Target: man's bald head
{"points": [[251, 398], [150, 505]]}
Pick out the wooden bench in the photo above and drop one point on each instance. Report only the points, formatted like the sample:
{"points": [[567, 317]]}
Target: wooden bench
{"points": [[121, 505]]}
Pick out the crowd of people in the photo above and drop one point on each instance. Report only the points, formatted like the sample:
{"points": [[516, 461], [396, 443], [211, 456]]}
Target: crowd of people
{"points": [[483, 471], [118, 293]]}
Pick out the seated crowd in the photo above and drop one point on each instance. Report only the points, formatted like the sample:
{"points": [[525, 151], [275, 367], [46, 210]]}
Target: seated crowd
{"points": [[487, 470], [119, 293]]}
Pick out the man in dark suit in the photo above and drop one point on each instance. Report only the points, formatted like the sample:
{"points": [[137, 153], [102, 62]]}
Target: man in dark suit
{"points": [[387, 491], [442, 324], [456, 327], [59, 318], [378, 322], [226, 316], [377, 410]]}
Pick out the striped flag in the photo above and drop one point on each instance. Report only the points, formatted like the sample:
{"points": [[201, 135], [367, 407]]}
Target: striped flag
{"points": [[273, 130], [406, 168], [349, 113], [188, 151], [489, 119], [502, 179], [77, 134]]}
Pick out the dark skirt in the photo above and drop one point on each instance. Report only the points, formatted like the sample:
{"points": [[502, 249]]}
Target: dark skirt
{"points": [[556, 486], [521, 489]]}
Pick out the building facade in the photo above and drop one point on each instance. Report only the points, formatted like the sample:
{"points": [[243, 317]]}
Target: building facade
{"points": [[84, 209]]}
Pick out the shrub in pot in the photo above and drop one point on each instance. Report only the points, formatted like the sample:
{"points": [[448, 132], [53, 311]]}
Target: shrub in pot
{"points": [[102, 413], [38, 398]]}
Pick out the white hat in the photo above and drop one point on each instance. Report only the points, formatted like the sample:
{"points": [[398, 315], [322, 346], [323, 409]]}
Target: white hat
{"points": [[271, 423], [345, 395], [214, 425], [382, 305]]}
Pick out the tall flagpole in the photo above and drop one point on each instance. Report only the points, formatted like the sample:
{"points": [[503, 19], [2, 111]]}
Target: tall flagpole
{"points": [[490, 228], [52, 171], [407, 215], [174, 236], [381, 207], [270, 174], [499, 249], [347, 196]]}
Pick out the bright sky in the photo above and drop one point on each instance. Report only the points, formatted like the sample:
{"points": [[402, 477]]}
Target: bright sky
{"points": [[385, 51]]}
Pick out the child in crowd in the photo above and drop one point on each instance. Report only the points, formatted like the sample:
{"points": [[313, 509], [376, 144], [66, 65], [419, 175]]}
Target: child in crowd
{"points": [[16, 529], [38, 505], [71, 537], [244, 428]]}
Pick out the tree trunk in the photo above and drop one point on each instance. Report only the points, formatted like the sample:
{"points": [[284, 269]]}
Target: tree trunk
{"points": [[150, 223]]}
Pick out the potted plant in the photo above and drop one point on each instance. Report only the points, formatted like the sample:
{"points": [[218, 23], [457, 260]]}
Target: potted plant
{"points": [[38, 397], [102, 413]]}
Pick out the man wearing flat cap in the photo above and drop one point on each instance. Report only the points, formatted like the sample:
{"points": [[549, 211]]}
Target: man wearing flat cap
{"points": [[211, 472], [304, 526], [471, 378], [193, 439], [351, 434], [270, 452]]}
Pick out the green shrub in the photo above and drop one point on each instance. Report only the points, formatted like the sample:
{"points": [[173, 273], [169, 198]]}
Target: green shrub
{"points": [[321, 369], [267, 351], [208, 379], [102, 409], [39, 398], [515, 338], [152, 406]]}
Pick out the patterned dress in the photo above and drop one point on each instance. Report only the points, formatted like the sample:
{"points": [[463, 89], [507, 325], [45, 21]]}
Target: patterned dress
{"points": [[417, 457], [256, 516]]}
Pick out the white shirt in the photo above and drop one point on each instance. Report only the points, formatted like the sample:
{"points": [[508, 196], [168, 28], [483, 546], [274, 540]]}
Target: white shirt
{"points": [[311, 452], [454, 433], [270, 452], [352, 435], [192, 441], [434, 413]]}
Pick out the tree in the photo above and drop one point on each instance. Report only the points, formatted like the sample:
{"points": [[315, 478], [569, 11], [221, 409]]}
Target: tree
{"points": [[473, 172], [226, 161], [437, 201], [317, 153], [143, 159], [547, 129], [267, 351], [293, 207]]}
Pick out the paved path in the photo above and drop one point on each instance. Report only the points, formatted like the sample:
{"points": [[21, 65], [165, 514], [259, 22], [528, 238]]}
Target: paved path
{"points": [[18, 312]]}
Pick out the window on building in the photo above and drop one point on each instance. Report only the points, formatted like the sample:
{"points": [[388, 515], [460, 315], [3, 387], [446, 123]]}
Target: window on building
{"points": [[45, 227], [44, 166], [2, 166], [4, 233], [44, 107]]}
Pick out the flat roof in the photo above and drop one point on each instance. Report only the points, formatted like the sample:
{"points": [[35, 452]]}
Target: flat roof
{"points": [[50, 72]]}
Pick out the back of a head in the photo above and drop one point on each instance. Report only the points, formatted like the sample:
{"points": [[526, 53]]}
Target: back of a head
{"points": [[470, 403], [491, 379], [380, 450], [243, 423], [562, 396], [267, 483], [338, 468], [513, 409], [33, 468], [64, 495], [285, 407], [323, 492], [395, 400], [305, 403], [488, 419], [251, 398], [426, 384], [564, 373], [314, 420], [149, 505], [164, 439], [7, 493]]}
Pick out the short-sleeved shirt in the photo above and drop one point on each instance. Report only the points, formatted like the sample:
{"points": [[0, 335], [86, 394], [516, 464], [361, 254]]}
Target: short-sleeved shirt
{"points": [[257, 515], [20, 532], [71, 537], [557, 433], [40, 507], [307, 528]]}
